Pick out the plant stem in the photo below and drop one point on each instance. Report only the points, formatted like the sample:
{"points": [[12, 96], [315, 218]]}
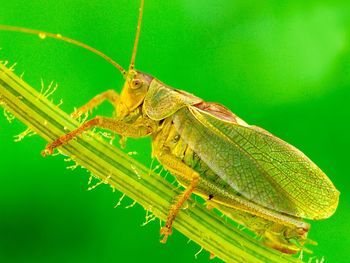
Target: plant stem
{"points": [[116, 168]]}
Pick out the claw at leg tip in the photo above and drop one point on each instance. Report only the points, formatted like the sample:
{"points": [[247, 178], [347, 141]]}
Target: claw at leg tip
{"points": [[43, 153], [165, 231], [46, 151], [165, 238]]}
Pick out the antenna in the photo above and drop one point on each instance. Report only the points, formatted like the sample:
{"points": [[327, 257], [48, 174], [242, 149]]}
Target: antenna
{"points": [[43, 35], [138, 29]]}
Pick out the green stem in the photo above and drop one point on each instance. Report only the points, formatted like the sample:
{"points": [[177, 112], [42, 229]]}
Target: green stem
{"points": [[116, 168]]}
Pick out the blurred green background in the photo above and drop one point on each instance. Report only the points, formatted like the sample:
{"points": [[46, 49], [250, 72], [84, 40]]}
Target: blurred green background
{"points": [[282, 65]]}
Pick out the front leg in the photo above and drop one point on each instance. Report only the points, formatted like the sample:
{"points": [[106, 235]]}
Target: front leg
{"points": [[140, 128], [111, 95]]}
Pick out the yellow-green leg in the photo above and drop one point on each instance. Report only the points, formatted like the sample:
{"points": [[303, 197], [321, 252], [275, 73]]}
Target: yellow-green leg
{"points": [[139, 128], [177, 168], [111, 95]]}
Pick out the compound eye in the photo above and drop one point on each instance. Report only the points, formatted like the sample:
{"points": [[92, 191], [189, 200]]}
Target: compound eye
{"points": [[136, 83]]}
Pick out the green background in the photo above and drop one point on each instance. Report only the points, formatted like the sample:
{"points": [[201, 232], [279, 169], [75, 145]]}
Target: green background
{"points": [[282, 65]]}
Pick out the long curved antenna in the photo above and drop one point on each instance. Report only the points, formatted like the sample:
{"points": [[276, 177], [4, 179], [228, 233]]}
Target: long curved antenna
{"points": [[136, 42], [43, 35]]}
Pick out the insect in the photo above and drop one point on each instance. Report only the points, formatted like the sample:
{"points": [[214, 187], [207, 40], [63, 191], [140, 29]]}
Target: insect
{"points": [[244, 171]]}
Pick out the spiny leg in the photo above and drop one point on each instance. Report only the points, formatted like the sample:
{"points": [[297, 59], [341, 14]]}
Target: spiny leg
{"points": [[175, 208], [178, 168], [111, 95], [139, 128]]}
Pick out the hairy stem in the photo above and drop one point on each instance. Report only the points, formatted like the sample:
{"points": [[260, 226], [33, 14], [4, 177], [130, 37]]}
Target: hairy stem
{"points": [[116, 168]]}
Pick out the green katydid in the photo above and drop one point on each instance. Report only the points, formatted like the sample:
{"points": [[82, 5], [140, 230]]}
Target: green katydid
{"points": [[257, 179]]}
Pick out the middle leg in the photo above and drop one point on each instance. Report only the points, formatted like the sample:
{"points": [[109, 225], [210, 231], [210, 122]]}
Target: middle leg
{"points": [[177, 168], [139, 128]]}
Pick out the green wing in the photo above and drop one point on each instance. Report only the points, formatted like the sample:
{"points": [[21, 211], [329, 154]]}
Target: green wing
{"points": [[258, 165]]}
